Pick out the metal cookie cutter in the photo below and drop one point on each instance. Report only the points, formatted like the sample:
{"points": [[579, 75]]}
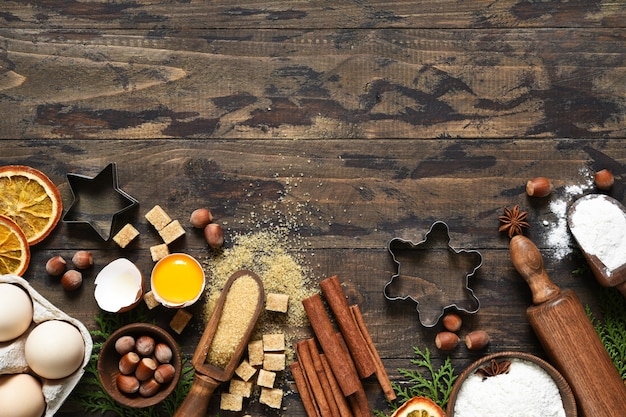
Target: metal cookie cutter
{"points": [[98, 200], [433, 274]]}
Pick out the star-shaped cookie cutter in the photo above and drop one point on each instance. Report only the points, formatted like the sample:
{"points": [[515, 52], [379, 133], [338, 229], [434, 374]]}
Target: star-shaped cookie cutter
{"points": [[98, 200], [433, 274]]}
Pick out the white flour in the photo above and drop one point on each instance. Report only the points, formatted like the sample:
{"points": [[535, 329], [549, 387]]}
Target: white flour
{"points": [[599, 226], [526, 391], [558, 238]]}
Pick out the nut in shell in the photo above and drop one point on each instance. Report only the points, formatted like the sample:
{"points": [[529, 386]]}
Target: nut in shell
{"points": [[604, 179], [214, 235], [200, 218], [56, 265], [72, 280], [539, 187], [82, 259]]}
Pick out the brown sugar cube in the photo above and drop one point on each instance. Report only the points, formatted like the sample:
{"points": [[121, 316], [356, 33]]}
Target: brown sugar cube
{"points": [[231, 402], [272, 397], [158, 217], [277, 302], [241, 388], [159, 252], [255, 353], [171, 232], [245, 371], [274, 361], [150, 301], [126, 235], [274, 342], [266, 378], [180, 320]]}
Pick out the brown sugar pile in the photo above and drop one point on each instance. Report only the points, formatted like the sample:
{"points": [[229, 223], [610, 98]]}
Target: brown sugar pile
{"points": [[268, 254]]}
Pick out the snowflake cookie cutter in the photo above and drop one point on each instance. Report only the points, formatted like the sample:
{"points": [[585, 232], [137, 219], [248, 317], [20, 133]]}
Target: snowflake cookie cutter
{"points": [[433, 274]]}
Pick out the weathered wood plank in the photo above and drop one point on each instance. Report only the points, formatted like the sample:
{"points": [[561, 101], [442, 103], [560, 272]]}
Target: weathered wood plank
{"points": [[344, 200], [250, 14], [313, 84]]}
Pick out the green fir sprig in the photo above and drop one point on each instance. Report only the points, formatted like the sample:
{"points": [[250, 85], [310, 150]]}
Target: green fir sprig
{"points": [[610, 325], [425, 381], [90, 395]]}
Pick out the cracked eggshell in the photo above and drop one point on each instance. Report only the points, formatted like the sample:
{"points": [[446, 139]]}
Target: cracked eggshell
{"points": [[13, 361], [119, 286]]}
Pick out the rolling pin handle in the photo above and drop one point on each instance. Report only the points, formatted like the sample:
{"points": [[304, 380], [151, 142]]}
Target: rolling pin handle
{"points": [[529, 263], [196, 403]]}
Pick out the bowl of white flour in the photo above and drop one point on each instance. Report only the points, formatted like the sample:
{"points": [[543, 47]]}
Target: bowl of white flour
{"points": [[511, 384]]}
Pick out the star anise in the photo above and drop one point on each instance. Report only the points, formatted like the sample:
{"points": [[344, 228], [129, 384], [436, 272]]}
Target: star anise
{"points": [[494, 368], [513, 221]]}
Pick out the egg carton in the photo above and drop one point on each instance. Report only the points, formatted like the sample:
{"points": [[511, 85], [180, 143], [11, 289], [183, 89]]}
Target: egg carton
{"points": [[12, 357]]}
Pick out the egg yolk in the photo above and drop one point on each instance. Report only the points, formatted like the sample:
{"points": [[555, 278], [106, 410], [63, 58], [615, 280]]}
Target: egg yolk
{"points": [[177, 278]]}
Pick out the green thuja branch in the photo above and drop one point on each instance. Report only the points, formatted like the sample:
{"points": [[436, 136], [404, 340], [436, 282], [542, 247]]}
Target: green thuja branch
{"points": [[425, 380], [611, 326]]}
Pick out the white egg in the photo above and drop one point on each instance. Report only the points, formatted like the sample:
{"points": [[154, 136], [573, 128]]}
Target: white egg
{"points": [[21, 396], [54, 349], [16, 311]]}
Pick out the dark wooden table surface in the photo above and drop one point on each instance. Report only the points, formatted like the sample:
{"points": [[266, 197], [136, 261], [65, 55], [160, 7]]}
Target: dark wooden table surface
{"points": [[360, 120]]}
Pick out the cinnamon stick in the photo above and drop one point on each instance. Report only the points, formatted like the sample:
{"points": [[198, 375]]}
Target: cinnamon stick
{"points": [[342, 402], [338, 358], [323, 377], [381, 373], [358, 399], [304, 389], [336, 299], [306, 361]]}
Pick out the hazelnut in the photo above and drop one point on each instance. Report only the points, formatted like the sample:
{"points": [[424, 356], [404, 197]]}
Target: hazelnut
{"points": [[82, 259], [539, 187], [446, 340], [164, 373], [144, 345], [72, 280], [128, 363], [125, 344], [163, 353], [127, 384], [604, 179], [56, 265], [476, 340], [200, 218], [149, 388], [214, 235], [145, 369], [452, 322]]}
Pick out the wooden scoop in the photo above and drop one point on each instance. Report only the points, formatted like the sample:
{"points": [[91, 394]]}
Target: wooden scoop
{"points": [[208, 376], [608, 276]]}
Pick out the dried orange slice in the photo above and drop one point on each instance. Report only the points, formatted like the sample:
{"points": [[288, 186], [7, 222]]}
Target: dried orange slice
{"points": [[31, 200], [419, 407], [14, 249]]}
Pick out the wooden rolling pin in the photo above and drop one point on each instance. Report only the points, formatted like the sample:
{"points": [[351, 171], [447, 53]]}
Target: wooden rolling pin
{"points": [[568, 337]]}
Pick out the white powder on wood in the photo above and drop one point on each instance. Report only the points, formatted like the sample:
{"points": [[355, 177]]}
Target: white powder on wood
{"points": [[526, 391], [599, 226]]}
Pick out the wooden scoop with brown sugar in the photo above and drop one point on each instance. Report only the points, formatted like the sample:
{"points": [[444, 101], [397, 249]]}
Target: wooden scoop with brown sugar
{"points": [[224, 340]]}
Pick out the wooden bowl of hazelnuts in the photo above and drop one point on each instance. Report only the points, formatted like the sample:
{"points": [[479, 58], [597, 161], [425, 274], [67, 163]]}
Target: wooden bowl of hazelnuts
{"points": [[139, 365]]}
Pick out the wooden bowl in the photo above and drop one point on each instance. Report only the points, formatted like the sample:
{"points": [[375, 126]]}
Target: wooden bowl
{"points": [[567, 397], [108, 361]]}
